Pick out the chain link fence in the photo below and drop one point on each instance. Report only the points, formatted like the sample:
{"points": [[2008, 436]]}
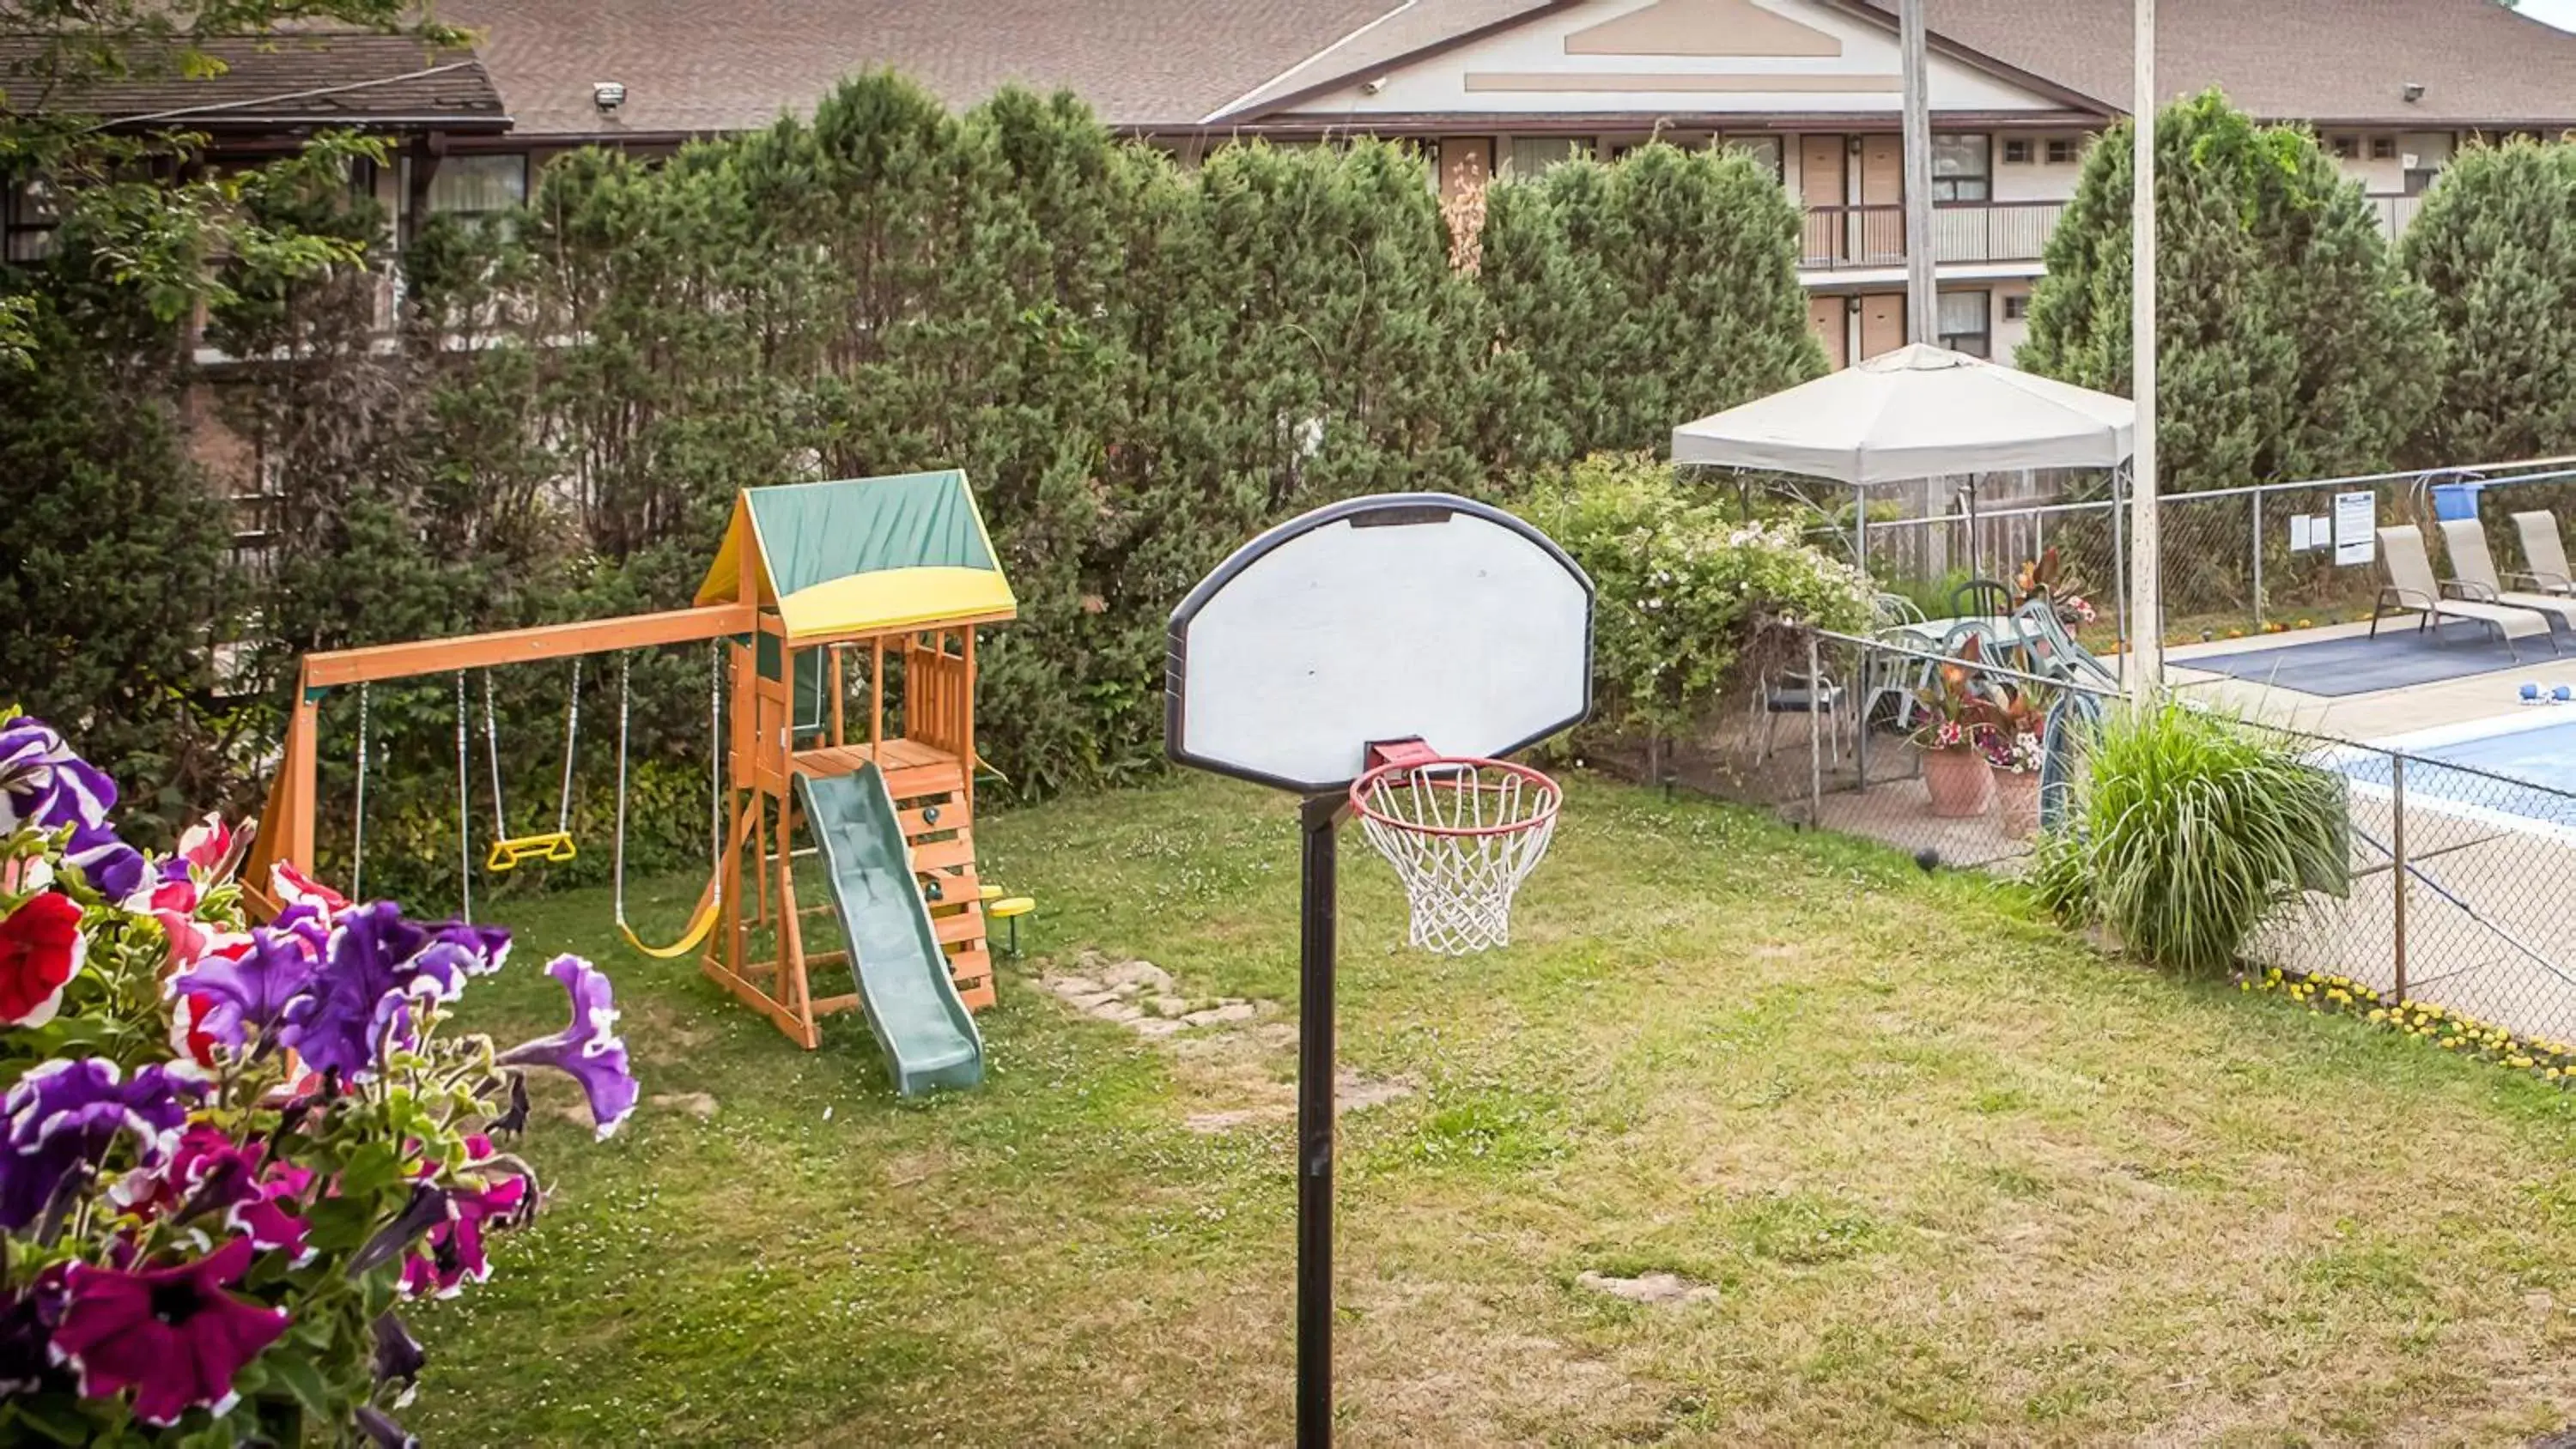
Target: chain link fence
{"points": [[2458, 873], [2235, 562]]}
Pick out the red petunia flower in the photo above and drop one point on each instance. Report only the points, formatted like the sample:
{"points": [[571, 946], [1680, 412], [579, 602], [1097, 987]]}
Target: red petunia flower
{"points": [[41, 949]]}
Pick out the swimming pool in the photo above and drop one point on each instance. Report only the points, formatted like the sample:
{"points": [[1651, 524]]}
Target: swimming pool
{"points": [[2520, 765]]}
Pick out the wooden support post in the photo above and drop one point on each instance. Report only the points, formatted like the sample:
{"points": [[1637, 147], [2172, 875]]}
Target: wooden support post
{"points": [[839, 734], [876, 700], [791, 990], [966, 719]]}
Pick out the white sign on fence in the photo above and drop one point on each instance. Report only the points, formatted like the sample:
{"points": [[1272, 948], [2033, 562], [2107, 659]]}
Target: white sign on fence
{"points": [[2304, 533], [2355, 516]]}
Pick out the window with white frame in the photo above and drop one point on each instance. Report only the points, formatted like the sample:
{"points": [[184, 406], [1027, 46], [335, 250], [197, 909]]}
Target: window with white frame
{"points": [[30, 212], [1959, 168], [1531, 155], [2016, 150], [479, 185], [1962, 319], [2345, 148], [2061, 150], [2383, 148], [2016, 306]]}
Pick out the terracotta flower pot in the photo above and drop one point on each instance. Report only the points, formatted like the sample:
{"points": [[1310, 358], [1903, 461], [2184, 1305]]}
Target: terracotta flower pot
{"points": [[1960, 781], [2017, 803]]}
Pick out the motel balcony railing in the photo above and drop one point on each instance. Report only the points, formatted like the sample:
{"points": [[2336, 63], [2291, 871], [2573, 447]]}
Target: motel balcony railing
{"points": [[1845, 238]]}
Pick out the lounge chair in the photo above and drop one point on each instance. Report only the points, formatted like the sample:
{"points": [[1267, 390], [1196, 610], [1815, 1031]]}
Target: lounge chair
{"points": [[2473, 574], [2544, 552], [2411, 590]]}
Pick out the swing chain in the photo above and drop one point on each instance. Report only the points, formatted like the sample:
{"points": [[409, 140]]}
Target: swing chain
{"points": [[465, 800], [572, 728], [358, 824], [492, 753]]}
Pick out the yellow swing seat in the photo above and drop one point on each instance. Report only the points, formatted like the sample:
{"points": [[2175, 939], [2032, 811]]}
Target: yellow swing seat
{"points": [[702, 921], [553, 847]]}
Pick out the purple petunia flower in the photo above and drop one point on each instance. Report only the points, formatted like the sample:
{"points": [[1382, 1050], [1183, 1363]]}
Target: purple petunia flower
{"points": [[399, 1356], [174, 1335], [63, 1116], [588, 1050], [44, 784], [458, 951], [250, 991], [362, 989]]}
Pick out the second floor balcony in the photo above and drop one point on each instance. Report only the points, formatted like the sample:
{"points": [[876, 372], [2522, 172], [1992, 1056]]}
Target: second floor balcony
{"points": [[1854, 238], [1849, 238]]}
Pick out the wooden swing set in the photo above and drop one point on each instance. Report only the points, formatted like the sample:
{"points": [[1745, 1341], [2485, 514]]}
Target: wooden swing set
{"points": [[896, 570]]}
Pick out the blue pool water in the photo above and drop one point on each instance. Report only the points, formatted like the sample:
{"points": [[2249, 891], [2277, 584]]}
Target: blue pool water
{"points": [[2527, 772]]}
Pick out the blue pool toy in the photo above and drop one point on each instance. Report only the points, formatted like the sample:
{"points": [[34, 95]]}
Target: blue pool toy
{"points": [[2563, 693], [2531, 694]]}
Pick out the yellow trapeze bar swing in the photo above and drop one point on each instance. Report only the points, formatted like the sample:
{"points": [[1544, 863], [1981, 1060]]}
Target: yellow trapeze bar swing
{"points": [[555, 846]]}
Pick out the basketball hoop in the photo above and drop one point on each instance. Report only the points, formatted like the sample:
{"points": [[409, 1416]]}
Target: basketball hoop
{"points": [[1462, 834]]}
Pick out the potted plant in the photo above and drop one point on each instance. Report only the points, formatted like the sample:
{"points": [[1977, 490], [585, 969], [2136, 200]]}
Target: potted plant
{"points": [[237, 1152], [2047, 577], [1956, 714], [2014, 746]]}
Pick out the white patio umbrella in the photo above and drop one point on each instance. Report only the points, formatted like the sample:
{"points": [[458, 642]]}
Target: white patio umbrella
{"points": [[1918, 412]]}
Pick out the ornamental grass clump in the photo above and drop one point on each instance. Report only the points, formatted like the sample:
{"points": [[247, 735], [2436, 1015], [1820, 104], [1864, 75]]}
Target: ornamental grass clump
{"points": [[230, 1152], [2189, 828]]}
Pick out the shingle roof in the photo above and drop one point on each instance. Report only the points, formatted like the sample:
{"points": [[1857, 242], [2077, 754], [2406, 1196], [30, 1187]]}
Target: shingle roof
{"points": [[2344, 61], [699, 66], [304, 79], [724, 65]]}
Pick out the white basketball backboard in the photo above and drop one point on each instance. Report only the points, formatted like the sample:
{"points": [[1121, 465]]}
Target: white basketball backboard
{"points": [[1401, 616]]}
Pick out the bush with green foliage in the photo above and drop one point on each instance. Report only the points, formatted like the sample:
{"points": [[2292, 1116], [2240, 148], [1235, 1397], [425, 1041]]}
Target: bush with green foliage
{"points": [[1682, 591], [1139, 367], [2188, 830], [1645, 292], [2291, 343], [2495, 245]]}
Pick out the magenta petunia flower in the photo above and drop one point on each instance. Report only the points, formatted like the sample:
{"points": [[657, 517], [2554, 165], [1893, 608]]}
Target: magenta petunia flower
{"points": [[176, 1335], [588, 1050], [451, 1255], [63, 1116], [208, 1172]]}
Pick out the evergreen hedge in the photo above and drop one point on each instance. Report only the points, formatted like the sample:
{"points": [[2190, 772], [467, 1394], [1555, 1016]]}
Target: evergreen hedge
{"points": [[1139, 364]]}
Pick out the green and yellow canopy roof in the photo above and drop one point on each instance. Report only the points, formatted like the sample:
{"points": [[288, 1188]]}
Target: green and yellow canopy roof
{"points": [[861, 556]]}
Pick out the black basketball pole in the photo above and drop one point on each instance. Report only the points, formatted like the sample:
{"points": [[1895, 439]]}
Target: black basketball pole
{"points": [[1320, 820]]}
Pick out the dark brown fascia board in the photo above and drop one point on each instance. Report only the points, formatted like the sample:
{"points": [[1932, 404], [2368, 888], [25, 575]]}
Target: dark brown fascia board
{"points": [[1441, 46]]}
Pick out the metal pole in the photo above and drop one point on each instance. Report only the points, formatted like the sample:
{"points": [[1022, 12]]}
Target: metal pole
{"points": [[1860, 528], [2397, 848], [1922, 312], [1319, 821], [2144, 555], [2257, 541], [1976, 566], [1815, 733], [2119, 563]]}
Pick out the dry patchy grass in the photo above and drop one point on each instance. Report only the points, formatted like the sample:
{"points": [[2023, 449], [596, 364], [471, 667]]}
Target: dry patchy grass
{"points": [[1958, 1179]]}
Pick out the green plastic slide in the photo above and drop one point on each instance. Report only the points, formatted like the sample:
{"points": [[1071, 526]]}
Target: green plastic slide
{"points": [[929, 1037]]}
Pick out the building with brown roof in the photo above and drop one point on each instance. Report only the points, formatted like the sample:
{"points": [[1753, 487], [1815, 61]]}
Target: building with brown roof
{"points": [[1490, 86]]}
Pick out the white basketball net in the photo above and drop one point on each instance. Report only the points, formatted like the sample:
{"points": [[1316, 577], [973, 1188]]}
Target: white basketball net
{"points": [[1462, 835]]}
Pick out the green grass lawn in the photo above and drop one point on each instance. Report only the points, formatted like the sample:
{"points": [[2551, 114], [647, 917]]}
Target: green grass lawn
{"points": [[1956, 1177]]}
